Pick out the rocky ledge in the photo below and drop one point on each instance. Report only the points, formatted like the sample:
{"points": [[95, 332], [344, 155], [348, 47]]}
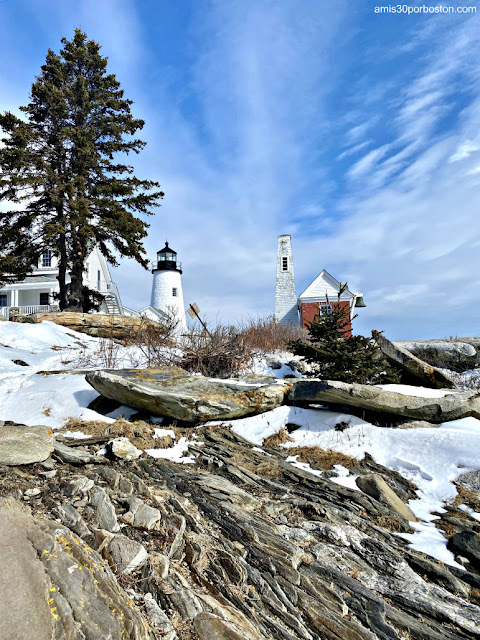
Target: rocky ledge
{"points": [[173, 392], [238, 545], [99, 325]]}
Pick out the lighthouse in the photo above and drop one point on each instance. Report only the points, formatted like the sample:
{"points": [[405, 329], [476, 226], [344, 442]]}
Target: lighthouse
{"points": [[167, 294]]}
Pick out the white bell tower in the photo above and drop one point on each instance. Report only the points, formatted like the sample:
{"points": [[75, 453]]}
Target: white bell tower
{"points": [[286, 310], [167, 294]]}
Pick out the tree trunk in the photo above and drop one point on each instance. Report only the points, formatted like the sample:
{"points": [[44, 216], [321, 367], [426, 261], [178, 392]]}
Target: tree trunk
{"points": [[62, 272], [75, 291]]}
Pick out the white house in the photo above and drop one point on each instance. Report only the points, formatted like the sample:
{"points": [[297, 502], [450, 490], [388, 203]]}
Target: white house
{"points": [[35, 293], [321, 295]]}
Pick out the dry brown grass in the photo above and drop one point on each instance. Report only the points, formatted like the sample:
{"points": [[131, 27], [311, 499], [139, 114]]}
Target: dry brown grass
{"points": [[139, 433], [274, 441], [392, 523], [264, 334], [269, 470], [465, 496], [323, 458]]}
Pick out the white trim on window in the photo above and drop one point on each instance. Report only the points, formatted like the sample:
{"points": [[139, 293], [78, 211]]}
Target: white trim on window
{"points": [[47, 258]]}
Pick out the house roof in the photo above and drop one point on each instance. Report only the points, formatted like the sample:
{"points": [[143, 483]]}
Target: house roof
{"points": [[325, 285]]}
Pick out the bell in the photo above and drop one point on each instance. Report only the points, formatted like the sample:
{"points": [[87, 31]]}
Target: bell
{"points": [[359, 302]]}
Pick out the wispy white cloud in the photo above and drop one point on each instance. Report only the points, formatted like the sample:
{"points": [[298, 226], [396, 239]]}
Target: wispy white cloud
{"points": [[248, 150]]}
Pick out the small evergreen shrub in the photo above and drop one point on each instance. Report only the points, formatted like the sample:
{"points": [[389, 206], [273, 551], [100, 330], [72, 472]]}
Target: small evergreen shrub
{"points": [[337, 357]]}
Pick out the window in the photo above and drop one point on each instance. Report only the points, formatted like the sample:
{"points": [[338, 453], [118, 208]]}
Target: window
{"points": [[325, 309], [284, 263], [3, 300], [174, 292], [47, 258], [44, 298]]}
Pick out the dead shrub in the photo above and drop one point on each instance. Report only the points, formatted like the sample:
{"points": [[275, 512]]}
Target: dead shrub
{"points": [[267, 335], [220, 353], [323, 458], [341, 426], [275, 440], [155, 342]]}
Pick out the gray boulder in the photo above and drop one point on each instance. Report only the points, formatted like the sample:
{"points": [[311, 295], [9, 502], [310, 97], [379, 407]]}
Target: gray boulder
{"points": [[74, 455], [106, 516], [466, 544], [450, 406], [52, 585], [127, 554], [445, 353], [141, 515], [24, 445], [375, 486], [171, 391], [425, 373], [122, 448]]}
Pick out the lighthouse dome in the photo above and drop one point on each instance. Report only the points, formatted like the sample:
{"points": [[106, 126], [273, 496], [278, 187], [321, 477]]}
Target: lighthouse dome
{"points": [[167, 260]]}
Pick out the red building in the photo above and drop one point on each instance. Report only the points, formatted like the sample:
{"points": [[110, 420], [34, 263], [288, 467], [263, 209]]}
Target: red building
{"points": [[322, 295]]}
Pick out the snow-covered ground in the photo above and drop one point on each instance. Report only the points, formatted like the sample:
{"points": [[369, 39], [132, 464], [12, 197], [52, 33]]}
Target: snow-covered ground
{"points": [[431, 458]]}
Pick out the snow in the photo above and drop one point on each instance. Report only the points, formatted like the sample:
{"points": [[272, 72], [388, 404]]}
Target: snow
{"points": [[163, 433], [470, 511], [304, 466], [79, 435], [419, 392], [174, 454], [123, 411], [344, 478], [261, 451]]}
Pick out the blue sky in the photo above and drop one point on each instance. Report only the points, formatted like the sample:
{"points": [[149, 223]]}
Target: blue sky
{"points": [[357, 133]]}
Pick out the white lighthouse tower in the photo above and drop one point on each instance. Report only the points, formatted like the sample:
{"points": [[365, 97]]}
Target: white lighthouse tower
{"points": [[167, 294]]}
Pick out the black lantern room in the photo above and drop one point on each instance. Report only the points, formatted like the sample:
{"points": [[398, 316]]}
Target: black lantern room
{"points": [[167, 260]]}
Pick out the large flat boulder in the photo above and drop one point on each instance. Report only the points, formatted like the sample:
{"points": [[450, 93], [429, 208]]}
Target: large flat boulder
{"points": [[172, 392], [444, 407], [99, 325], [25, 445], [422, 371]]}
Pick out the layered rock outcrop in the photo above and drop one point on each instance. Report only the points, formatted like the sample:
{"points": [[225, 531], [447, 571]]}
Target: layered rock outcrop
{"points": [[239, 545]]}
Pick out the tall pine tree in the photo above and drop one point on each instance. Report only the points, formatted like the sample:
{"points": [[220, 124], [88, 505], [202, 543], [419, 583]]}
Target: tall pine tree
{"points": [[61, 166]]}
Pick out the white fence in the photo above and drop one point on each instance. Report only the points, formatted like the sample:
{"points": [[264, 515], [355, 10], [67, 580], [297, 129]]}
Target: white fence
{"points": [[30, 308]]}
